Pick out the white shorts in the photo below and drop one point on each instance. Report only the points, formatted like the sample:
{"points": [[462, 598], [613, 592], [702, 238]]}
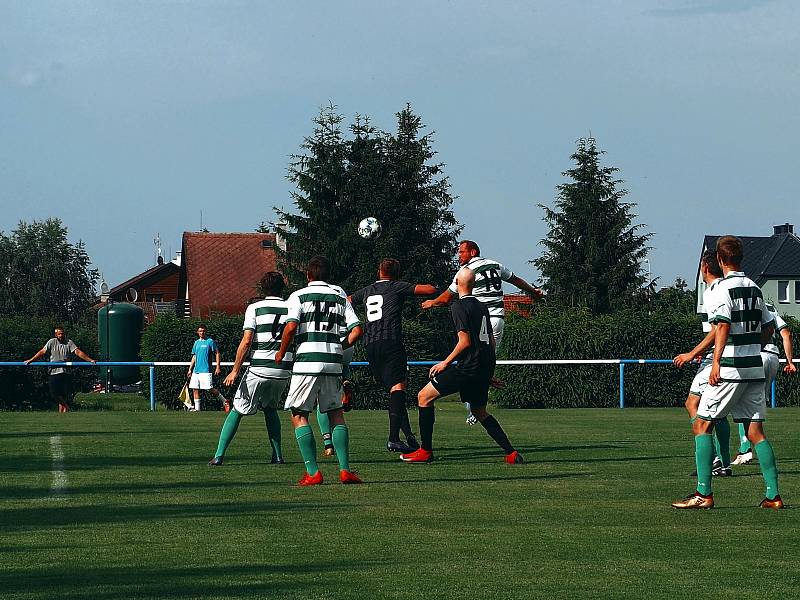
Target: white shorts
{"points": [[200, 381], [743, 401], [255, 392], [771, 365], [700, 380], [306, 391], [498, 324]]}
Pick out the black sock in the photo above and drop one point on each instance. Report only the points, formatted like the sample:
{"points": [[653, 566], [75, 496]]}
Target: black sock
{"points": [[397, 405], [426, 421], [493, 428]]}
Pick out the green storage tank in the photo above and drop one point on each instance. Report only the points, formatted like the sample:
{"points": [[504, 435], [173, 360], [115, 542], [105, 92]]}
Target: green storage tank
{"points": [[119, 332]]}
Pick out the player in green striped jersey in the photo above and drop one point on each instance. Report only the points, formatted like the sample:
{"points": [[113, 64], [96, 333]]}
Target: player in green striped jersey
{"points": [[712, 275], [319, 316], [264, 381], [769, 355], [735, 384]]}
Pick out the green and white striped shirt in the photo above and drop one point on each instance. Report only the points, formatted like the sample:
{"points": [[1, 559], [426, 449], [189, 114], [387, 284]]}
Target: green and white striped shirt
{"points": [[489, 278], [707, 301], [773, 344], [267, 318], [324, 317], [739, 301]]}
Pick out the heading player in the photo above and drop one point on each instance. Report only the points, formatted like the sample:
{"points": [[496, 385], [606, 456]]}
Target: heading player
{"points": [[383, 338], [320, 316], [736, 380], [471, 377], [489, 278], [264, 381]]}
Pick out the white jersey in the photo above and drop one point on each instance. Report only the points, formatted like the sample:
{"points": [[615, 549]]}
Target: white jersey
{"points": [[779, 323], [739, 302], [707, 301], [489, 278], [324, 317], [267, 318]]}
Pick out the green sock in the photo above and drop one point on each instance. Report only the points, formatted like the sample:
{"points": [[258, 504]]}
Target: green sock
{"points": [[341, 441], [324, 424], [229, 428], [744, 443], [703, 457], [308, 448], [273, 422], [766, 458], [722, 441]]}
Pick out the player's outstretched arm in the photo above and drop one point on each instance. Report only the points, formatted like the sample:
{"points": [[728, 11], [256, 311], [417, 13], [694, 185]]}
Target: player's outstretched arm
{"points": [[525, 286], [445, 298], [241, 352], [702, 347], [462, 344], [424, 289], [786, 336], [287, 337], [83, 356], [36, 356]]}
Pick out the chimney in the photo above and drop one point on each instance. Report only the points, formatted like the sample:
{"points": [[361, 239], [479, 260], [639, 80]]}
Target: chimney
{"points": [[782, 229]]}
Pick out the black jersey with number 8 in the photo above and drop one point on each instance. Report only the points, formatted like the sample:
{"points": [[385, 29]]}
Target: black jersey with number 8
{"points": [[383, 302]]}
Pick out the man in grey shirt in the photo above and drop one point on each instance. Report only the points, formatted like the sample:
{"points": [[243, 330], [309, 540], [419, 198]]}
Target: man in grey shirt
{"points": [[60, 349]]}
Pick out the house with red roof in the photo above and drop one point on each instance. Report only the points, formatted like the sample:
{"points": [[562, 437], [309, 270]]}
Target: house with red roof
{"points": [[219, 272]]}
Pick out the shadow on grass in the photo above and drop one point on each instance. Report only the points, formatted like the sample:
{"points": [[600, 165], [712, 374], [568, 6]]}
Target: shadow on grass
{"points": [[478, 479], [38, 517], [228, 581], [65, 434], [13, 464]]}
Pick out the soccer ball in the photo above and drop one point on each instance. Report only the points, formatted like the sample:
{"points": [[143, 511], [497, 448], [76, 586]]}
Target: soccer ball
{"points": [[369, 228]]}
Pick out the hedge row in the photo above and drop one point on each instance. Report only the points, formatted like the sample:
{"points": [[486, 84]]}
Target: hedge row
{"points": [[25, 388], [170, 339], [578, 335]]}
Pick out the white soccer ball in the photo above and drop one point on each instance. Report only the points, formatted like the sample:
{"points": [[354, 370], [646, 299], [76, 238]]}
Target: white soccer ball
{"points": [[369, 228]]}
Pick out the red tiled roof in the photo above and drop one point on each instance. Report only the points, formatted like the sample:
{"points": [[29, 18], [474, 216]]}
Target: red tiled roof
{"points": [[522, 304], [223, 269]]}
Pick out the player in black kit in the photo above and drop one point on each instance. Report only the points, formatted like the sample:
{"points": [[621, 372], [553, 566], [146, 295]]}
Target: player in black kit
{"points": [[383, 339], [472, 377]]}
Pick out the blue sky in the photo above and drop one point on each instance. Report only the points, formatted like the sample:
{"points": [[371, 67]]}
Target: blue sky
{"points": [[127, 119]]}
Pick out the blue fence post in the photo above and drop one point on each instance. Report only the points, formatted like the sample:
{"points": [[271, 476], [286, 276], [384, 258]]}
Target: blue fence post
{"points": [[152, 387], [622, 385], [774, 394]]}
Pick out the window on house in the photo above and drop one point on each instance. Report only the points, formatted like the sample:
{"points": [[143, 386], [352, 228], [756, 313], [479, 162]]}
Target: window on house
{"points": [[154, 297], [783, 291], [797, 291]]}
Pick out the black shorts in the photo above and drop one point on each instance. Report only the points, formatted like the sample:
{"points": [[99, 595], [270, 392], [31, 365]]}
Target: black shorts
{"points": [[472, 388], [388, 362], [60, 385]]}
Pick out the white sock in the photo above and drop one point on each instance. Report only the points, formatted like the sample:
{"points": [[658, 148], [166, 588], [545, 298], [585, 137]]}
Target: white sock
{"points": [[197, 404]]}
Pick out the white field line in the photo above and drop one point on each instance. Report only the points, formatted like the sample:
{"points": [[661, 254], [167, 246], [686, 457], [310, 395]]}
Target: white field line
{"points": [[59, 485]]}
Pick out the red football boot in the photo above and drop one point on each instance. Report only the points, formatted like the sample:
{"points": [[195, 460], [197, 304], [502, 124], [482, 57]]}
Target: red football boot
{"points": [[418, 456], [307, 479], [349, 477]]}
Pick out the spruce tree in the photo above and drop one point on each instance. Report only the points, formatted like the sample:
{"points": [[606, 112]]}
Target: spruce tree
{"points": [[593, 250], [371, 173]]}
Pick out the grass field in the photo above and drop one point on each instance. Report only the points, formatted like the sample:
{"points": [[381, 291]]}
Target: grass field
{"points": [[132, 510]]}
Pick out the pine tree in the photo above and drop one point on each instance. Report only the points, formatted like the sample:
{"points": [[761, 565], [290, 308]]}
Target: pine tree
{"points": [[593, 250], [372, 173]]}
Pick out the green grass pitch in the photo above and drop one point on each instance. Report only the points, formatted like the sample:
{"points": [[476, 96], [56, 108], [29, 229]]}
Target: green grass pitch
{"points": [[588, 515]]}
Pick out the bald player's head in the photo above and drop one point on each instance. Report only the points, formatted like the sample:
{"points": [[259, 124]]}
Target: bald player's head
{"points": [[465, 281]]}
